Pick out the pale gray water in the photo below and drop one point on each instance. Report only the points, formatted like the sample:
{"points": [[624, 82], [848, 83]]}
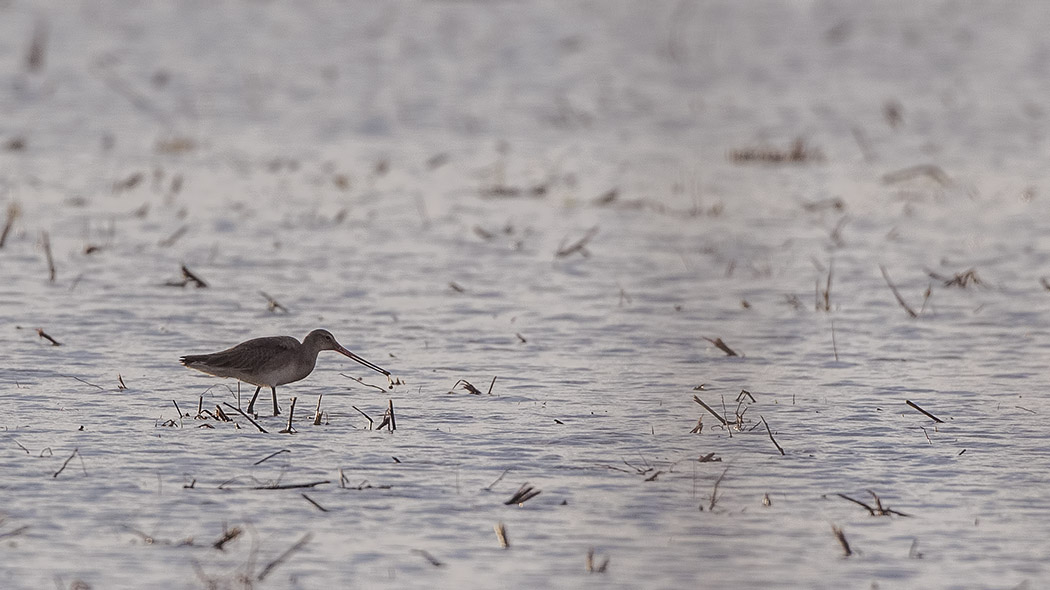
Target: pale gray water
{"points": [[291, 109]]}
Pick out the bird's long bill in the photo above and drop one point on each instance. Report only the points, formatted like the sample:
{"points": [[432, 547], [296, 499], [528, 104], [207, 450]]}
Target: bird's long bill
{"points": [[353, 356]]}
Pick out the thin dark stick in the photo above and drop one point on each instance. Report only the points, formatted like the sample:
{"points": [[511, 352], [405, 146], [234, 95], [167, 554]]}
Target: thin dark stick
{"points": [[170, 240], [291, 486], [284, 556], [50, 259], [370, 421], [770, 432], [714, 492], [487, 488], [361, 381], [239, 411], [834, 345], [63, 467], [928, 415], [291, 413], [524, 494], [390, 410], [13, 211], [317, 412], [86, 382], [427, 556], [271, 456], [710, 409], [579, 245], [189, 276], [40, 332], [896, 293], [311, 500], [226, 538], [491, 384], [722, 346], [841, 536], [21, 447], [866, 507]]}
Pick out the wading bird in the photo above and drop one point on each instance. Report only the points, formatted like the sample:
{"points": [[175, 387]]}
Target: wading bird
{"points": [[271, 361]]}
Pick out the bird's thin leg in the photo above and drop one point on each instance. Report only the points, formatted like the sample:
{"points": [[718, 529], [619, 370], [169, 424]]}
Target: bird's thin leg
{"points": [[251, 404], [276, 410]]}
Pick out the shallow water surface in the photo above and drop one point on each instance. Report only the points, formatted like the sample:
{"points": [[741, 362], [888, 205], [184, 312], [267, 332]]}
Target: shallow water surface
{"points": [[406, 176]]}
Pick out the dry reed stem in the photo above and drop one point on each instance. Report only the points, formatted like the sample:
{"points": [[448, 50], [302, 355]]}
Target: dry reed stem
{"points": [[841, 536], [13, 211], [928, 170], [271, 456], [427, 556], [896, 293], [50, 259], [928, 415], [40, 332], [370, 422], [291, 412], [226, 537], [524, 494], [284, 556], [577, 246], [721, 346], [501, 535], [770, 432], [66, 462], [246, 416], [317, 412], [710, 409], [312, 501]]}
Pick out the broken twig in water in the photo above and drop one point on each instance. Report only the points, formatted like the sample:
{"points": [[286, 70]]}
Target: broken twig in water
{"points": [[710, 409], [312, 501], [66, 462], [578, 246], [896, 293], [291, 413], [362, 382], [721, 346], [714, 491], [798, 152], [50, 260], [487, 488], [40, 332], [524, 494], [289, 486], [271, 456], [272, 303], [591, 567], [928, 415], [468, 386], [226, 537], [929, 170], [878, 509], [284, 556], [317, 412], [841, 536], [427, 556], [388, 418], [501, 535], [13, 211], [770, 432], [246, 416], [370, 422]]}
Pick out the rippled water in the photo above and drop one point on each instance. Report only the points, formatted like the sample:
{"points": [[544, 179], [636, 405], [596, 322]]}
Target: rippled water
{"points": [[404, 175]]}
